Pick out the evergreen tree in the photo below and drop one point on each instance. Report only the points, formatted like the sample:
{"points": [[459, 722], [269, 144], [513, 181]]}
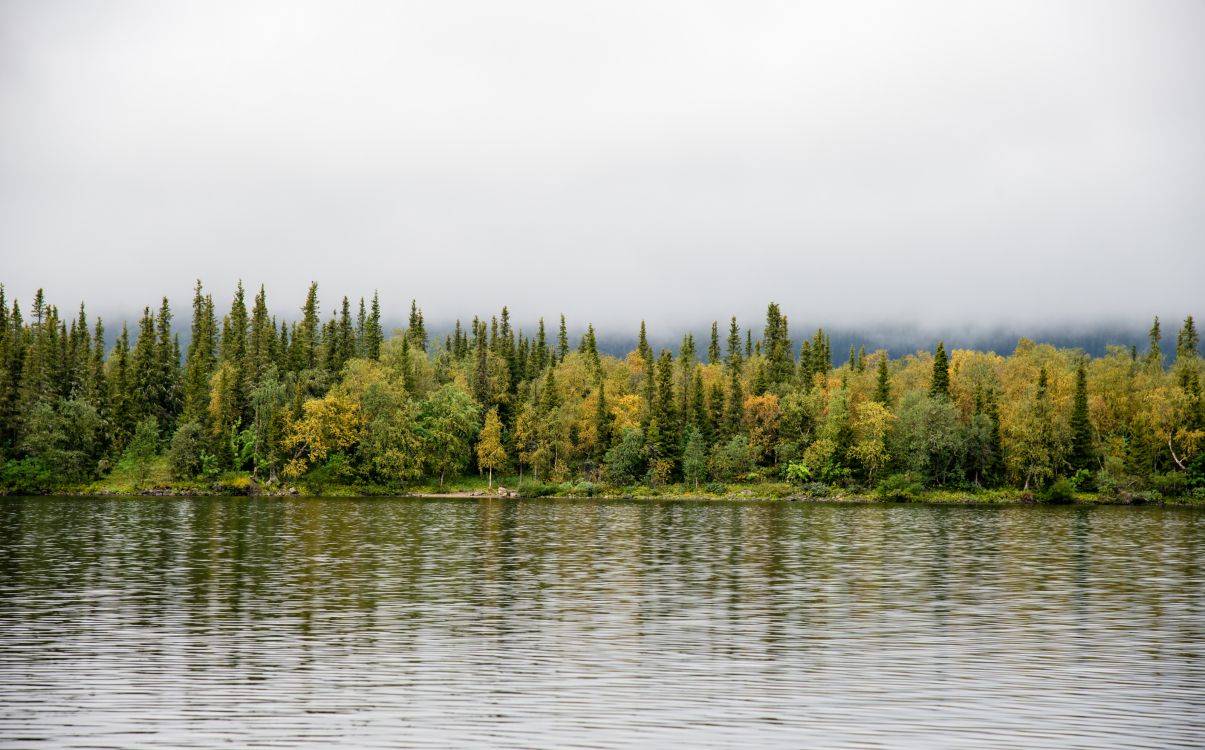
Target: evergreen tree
{"points": [[417, 329], [734, 346], [262, 344], [1082, 453], [167, 360], [345, 347], [562, 341], [780, 362], [602, 423], [1154, 356], [123, 409], [713, 346], [307, 334], [642, 345], [716, 409], [98, 394], [664, 411], [374, 336], [734, 410], [540, 353], [882, 391], [939, 386], [1188, 342], [697, 412], [482, 390], [144, 369]]}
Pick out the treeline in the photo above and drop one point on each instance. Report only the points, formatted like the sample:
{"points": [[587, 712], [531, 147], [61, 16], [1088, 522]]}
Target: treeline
{"points": [[337, 400]]}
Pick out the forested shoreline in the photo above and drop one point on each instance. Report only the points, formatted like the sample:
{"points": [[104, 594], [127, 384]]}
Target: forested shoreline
{"points": [[257, 404]]}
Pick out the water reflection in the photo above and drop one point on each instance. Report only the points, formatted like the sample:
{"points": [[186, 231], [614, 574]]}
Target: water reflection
{"points": [[198, 622]]}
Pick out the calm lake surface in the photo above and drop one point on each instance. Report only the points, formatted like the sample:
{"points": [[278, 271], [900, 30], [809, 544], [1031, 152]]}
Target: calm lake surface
{"points": [[169, 623]]}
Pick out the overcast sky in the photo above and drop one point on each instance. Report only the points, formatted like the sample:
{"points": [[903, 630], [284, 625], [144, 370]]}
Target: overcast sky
{"points": [[857, 162]]}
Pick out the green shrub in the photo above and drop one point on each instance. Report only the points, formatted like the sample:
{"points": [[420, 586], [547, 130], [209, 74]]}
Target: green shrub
{"points": [[537, 489], [29, 476], [1083, 480], [899, 487], [1061, 491], [186, 455], [1172, 484], [715, 488], [1194, 477], [815, 489]]}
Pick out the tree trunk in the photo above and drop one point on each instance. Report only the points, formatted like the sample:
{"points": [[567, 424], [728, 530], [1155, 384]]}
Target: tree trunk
{"points": [[491, 477]]}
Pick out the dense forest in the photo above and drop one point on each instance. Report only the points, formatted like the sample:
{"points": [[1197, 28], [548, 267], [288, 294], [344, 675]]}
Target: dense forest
{"points": [[336, 401]]}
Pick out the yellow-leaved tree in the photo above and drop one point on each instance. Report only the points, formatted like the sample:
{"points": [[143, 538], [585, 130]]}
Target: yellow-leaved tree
{"points": [[491, 454], [327, 425]]}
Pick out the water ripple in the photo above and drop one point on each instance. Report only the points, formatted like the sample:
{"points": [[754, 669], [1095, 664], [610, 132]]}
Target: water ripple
{"points": [[149, 623]]}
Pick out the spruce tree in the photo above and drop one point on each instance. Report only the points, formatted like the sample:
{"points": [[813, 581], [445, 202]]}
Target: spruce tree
{"points": [[562, 341], [144, 368], [602, 423], [1082, 452], [345, 347], [734, 346], [482, 390], [417, 329], [123, 413], [167, 360], [716, 409], [1188, 342], [778, 350], [939, 386], [307, 334], [540, 353], [882, 390], [261, 346], [1154, 356], [664, 411], [713, 346], [374, 336], [734, 406], [202, 357]]}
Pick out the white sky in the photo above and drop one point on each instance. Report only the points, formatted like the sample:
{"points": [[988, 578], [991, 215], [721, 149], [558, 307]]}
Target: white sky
{"points": [[935, 163]]}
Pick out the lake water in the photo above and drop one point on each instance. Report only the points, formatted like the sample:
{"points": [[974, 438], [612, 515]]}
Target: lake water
{"points": [[171, 623]]}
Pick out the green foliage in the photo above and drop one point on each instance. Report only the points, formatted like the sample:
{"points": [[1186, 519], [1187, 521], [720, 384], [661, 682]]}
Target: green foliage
{"points": [[732, 459], [694, 458], [928, 440], [338, 400], [626, 462], [900, 487], [448, 424], [29, 476], [185, 456], [1061, 491], [815, 489], [798, 471], [1171, 484], [939, 385]]}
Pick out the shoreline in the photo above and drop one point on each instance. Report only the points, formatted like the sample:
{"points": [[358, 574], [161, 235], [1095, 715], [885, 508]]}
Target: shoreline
{"points": [[928, 497]]}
